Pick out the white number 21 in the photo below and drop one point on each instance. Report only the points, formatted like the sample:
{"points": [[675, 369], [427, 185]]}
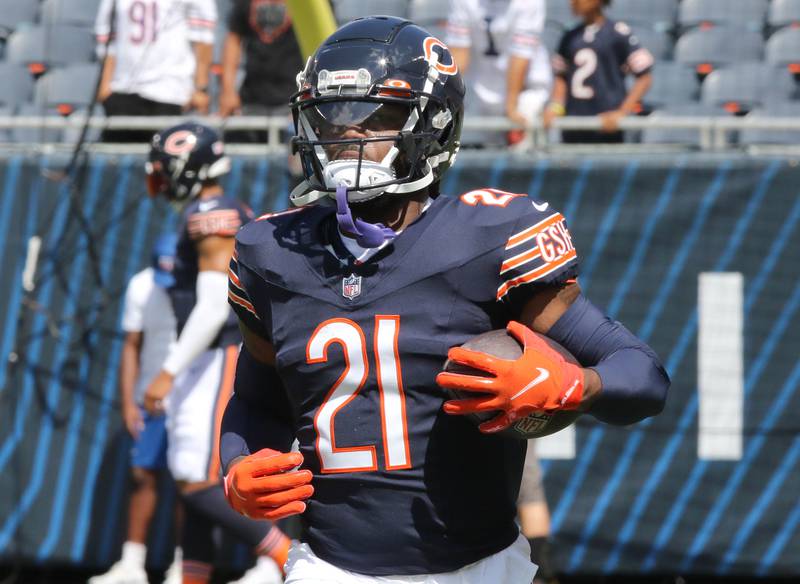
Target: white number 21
{"points": [[394, 427]]}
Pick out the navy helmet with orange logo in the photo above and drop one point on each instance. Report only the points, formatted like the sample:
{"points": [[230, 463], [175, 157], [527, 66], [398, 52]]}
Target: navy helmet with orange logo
{"points": [[182, 159], [398, 85]]}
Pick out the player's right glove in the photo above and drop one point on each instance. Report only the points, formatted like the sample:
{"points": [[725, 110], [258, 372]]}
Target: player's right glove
{"points": [[258, 486]]}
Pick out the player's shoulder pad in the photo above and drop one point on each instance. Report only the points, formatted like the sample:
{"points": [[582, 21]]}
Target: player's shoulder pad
{"points": [[493, 207], [274, 234]]}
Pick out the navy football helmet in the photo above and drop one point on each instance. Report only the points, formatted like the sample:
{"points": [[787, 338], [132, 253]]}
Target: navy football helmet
{"points": [[182, 158], [398, 85]]}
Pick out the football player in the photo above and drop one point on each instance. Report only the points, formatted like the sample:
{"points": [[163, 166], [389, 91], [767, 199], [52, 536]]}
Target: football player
{"points": [[196, 379], [590, 67], [350, 305]]}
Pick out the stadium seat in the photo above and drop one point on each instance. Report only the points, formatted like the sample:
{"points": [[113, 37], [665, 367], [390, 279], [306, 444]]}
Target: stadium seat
{"points": [[427, 12], [17, 84], [34, 135], [707, 49], [654, 14], [783, 48], [67, 88], [782, 109], [15, 12], [673, 84], [559, 11], [657, 42], [743, 13], [347, 10], [551, 37], [743, 87], [783, 13], [41, 47], [687, 136], [75, 12]]}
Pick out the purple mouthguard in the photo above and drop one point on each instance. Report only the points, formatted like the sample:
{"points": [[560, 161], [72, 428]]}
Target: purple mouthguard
{"points": [[367, 234]]}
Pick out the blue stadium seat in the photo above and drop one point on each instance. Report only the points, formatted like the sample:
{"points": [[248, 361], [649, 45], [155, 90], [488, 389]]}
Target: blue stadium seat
{"points": [[783, 48], [783, 13], [658, 15], [657, 42], [559, 11], [17, 84], [67, 88], [743, 13], [687, 136], [708, 49], [33, 135], [551, 37], [347, 10], [75, 12], [773, 109], [746, 86], [673, 84], [50, 46], [15, 12], [427, 12]]}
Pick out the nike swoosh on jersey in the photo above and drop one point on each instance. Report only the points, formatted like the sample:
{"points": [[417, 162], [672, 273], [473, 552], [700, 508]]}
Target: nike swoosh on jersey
{"points": [[202, 207], [543, 376], [541, 208]]}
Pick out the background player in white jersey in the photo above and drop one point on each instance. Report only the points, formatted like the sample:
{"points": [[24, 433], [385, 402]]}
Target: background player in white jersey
{"points": [[149, 326], [160, 54], [497, 45], [196, 379]]}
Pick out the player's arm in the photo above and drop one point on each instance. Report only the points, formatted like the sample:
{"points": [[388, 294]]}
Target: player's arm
{"points": [[229, 102], [105, 48], [201, 19], [205, 320], [634, 59], [128, 373], [526, 29], [257, 429], [515, 81], [557, 107], [203, 53], [458, 39]]}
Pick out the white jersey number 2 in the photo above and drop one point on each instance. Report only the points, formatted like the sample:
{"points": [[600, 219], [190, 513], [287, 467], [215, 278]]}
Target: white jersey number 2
{"points": [[394, 426], [586, 63]]}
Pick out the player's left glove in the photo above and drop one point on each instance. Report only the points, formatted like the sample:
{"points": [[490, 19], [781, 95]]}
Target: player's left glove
{"points": [[539, 380]]}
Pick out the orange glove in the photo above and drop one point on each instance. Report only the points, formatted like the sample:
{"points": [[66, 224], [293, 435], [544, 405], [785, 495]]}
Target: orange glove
{"points": [[259, 487], [540, 380]]}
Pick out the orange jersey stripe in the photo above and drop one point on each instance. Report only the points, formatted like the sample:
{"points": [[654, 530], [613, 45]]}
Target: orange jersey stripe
{"points": [[535, 274], [520, 259], [234, 278], [242, 302], [533, 231]]}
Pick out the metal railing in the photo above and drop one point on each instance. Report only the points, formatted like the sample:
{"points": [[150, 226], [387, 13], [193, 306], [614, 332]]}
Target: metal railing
{"points": [[714, 133]]}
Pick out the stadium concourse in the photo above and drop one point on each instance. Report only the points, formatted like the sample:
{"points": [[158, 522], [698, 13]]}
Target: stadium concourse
{"points": [[698, 252]]}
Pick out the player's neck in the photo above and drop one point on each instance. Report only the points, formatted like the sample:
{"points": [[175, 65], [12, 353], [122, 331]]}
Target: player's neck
{"points": [[396, 213], [209, 191], [594, 18]]}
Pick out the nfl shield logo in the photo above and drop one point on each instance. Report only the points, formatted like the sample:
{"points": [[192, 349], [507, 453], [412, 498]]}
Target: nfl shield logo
{"points": [[351, 287]]}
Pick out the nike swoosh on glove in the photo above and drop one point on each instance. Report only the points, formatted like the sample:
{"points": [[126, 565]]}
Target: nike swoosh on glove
{"points": [[259, 486], [539, 380]]}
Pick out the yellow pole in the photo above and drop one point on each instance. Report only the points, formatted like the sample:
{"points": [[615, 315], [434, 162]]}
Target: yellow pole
{"points": [[313, 22]]}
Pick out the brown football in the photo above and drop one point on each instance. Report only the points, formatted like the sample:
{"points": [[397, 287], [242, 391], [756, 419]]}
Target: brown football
{"points": [[500, 344]]}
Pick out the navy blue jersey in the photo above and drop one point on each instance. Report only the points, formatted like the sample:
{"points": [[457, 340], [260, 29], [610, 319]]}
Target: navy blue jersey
{"points": [[400, 486], [219, 216], [594, 61]]}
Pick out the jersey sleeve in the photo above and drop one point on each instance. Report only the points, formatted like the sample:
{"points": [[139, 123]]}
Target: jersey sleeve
{"points": [[133, 308], [243, 287], [526, 28], [102, 28], [238, 18], [538, 253], [202, 17], [561, 58], [217, 222], [632, 56], [459, 25]]}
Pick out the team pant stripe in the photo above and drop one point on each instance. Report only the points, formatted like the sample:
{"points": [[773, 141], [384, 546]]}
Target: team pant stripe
{"points": [[534, 275], [223, 396], [532, 231]]}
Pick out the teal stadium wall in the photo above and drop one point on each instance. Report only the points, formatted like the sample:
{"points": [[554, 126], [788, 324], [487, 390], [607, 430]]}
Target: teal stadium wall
{"points": [[634, 500]]}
